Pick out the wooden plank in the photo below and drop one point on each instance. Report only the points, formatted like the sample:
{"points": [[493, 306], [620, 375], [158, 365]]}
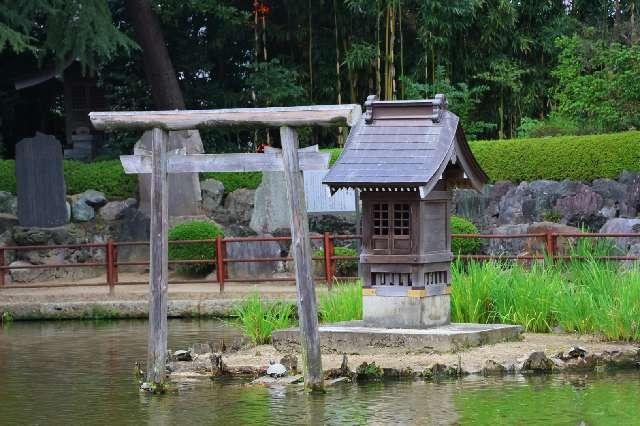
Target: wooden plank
{"points": [[400, 130], [312, 115], [395, 146], [158, 273], [301, 247], [376, 137], [224, 162]]}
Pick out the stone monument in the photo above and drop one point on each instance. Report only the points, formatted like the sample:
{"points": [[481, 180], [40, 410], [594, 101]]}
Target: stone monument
{"points": [[40, 182]]}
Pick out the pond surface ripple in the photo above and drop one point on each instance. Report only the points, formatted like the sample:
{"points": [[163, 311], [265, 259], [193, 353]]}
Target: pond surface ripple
{"points": [[81, 372]]}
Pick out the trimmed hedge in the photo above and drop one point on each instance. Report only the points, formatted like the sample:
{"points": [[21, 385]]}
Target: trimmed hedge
{"points": [[344, 267], [106, 176], [582, 158], [563, 157], [460, 225], [194, 230]]}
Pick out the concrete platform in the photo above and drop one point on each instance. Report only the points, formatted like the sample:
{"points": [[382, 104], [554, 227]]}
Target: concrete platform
{"points": [[354, 337]]}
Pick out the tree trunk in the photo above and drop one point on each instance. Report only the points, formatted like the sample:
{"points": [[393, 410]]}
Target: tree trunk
{"points": [[158, 68], [184, 194]]}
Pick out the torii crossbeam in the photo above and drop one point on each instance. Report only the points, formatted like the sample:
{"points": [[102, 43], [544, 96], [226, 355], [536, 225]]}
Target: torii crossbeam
{"points": [[291, 161]]}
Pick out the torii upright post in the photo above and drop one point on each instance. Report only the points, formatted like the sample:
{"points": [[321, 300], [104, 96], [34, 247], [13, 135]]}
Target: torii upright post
{"points": [[307, 312], [291, 161]]}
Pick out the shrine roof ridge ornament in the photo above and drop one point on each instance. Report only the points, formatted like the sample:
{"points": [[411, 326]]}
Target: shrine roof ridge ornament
{"points": [[405, 145], [298, 116]]}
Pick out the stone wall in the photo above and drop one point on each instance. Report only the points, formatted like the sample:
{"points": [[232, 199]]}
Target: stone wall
{"points": [[603, 205]]}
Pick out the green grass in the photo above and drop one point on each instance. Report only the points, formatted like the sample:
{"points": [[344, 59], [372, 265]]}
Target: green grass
{"points": [[258, 318], [588, 296], [342, 303]]}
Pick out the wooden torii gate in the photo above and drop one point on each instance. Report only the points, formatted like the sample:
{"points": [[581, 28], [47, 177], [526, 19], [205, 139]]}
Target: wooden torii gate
{"points": [[290, 161]]}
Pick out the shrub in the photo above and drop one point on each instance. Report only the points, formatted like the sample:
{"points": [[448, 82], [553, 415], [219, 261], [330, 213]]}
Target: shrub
{"points": [[105, 176], [342, 303], [194, 230], [258, 319], [564, 157], [8, 176], [344, 267], [235, 180], [460, 225]]}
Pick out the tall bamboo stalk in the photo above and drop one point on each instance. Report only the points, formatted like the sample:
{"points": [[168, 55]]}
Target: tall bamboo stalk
{"points": [[310, 56]]}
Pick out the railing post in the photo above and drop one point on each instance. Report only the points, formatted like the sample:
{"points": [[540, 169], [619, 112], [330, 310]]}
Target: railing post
{"points": [[114, 257], [220, 253], [551, 244], [2, 271], [109, 261], [328, 253]]}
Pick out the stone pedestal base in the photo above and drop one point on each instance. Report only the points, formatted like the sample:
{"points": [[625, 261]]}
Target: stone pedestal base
{"points": [[406, 311]]}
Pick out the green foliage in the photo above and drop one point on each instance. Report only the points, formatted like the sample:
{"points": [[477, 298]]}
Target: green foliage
{"points": [[81, 29], [99, 312], [194, 230], [366, 371], [566, 157], [342, 303], [344, 267], [274, 84], [460, 225], [233, 181], [597, 83], [106, 176], [552, 216], [6, 318], [585, 297], [463, 100], [8, 176], [258, 318]]}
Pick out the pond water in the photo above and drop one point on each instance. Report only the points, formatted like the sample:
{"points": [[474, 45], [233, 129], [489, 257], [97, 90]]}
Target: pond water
{"points": [[74, 372]]}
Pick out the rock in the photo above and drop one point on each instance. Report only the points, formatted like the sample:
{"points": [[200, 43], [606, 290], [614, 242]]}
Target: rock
{"points": [[577, 352], [538, 245], [620, 226], [271, 204], [212, 193], [290, 362], [115, 210], [236, 230], [80, 210], [238, 207], [8, 203], [513, 246], [25, 236], [268, 380], [492, 368], [614, 196], [538, 363], [24, 275], [181, 355], [582, 209], [200, 348], [258, 249], [94, 198], [7, 222], [338, 223]]}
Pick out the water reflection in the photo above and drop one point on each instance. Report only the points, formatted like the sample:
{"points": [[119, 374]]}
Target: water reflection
{"points": [[82, 372]]}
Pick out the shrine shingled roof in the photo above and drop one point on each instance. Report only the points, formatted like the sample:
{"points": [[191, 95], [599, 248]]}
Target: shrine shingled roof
{"points": [[403, 145]]}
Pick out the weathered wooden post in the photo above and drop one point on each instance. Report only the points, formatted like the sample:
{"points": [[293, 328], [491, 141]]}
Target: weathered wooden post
{"points": [[307, 311], [159, 257], [160, 163]]}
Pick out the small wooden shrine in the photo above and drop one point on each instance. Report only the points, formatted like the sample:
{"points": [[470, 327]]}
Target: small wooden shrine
{"points": [[405, 157]]}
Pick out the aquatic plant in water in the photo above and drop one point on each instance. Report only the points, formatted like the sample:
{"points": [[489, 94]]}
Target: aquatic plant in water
{"points": [[258, 319]]}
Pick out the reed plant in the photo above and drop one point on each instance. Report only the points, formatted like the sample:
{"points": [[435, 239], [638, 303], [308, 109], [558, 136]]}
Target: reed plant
{"points": [[586, 296], [258, 318], [342, 303]]}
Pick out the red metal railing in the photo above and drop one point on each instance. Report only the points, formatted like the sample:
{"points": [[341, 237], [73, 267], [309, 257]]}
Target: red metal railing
{"points": [[329, 259]]}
